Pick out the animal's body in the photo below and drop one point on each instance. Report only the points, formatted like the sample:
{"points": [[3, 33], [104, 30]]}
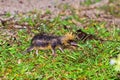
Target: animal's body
{"points": [[45, 41]]}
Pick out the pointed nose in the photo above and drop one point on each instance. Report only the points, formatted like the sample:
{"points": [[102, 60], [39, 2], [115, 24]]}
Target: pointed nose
{"points": [[73, 43]]}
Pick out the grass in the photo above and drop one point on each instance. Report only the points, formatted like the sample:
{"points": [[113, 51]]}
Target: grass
{"points": [[89, 2], [89, 61], [113, 8]]}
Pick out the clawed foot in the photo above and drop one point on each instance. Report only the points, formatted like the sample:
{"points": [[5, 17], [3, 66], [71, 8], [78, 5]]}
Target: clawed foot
{"points": [[54, 55]]}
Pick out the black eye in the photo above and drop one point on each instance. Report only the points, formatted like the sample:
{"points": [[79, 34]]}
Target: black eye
{"points": [[70, 41]]}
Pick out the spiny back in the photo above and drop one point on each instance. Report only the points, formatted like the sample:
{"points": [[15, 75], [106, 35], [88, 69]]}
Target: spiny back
{"points": [[42, 36]]}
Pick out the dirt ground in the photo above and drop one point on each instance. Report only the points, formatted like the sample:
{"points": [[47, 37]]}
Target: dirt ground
{"points": [[14, 6], [89, 12]]}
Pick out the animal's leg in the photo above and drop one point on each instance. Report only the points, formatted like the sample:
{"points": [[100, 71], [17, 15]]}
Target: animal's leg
{"points": [[61, 49], [53, 52], [36, 51]]}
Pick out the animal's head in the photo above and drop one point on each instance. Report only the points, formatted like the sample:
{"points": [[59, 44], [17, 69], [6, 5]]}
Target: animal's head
{"points": [[68, 39]]}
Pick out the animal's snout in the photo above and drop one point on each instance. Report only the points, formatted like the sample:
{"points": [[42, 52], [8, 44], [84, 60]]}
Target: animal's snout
{"points": [[73, 43]]}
